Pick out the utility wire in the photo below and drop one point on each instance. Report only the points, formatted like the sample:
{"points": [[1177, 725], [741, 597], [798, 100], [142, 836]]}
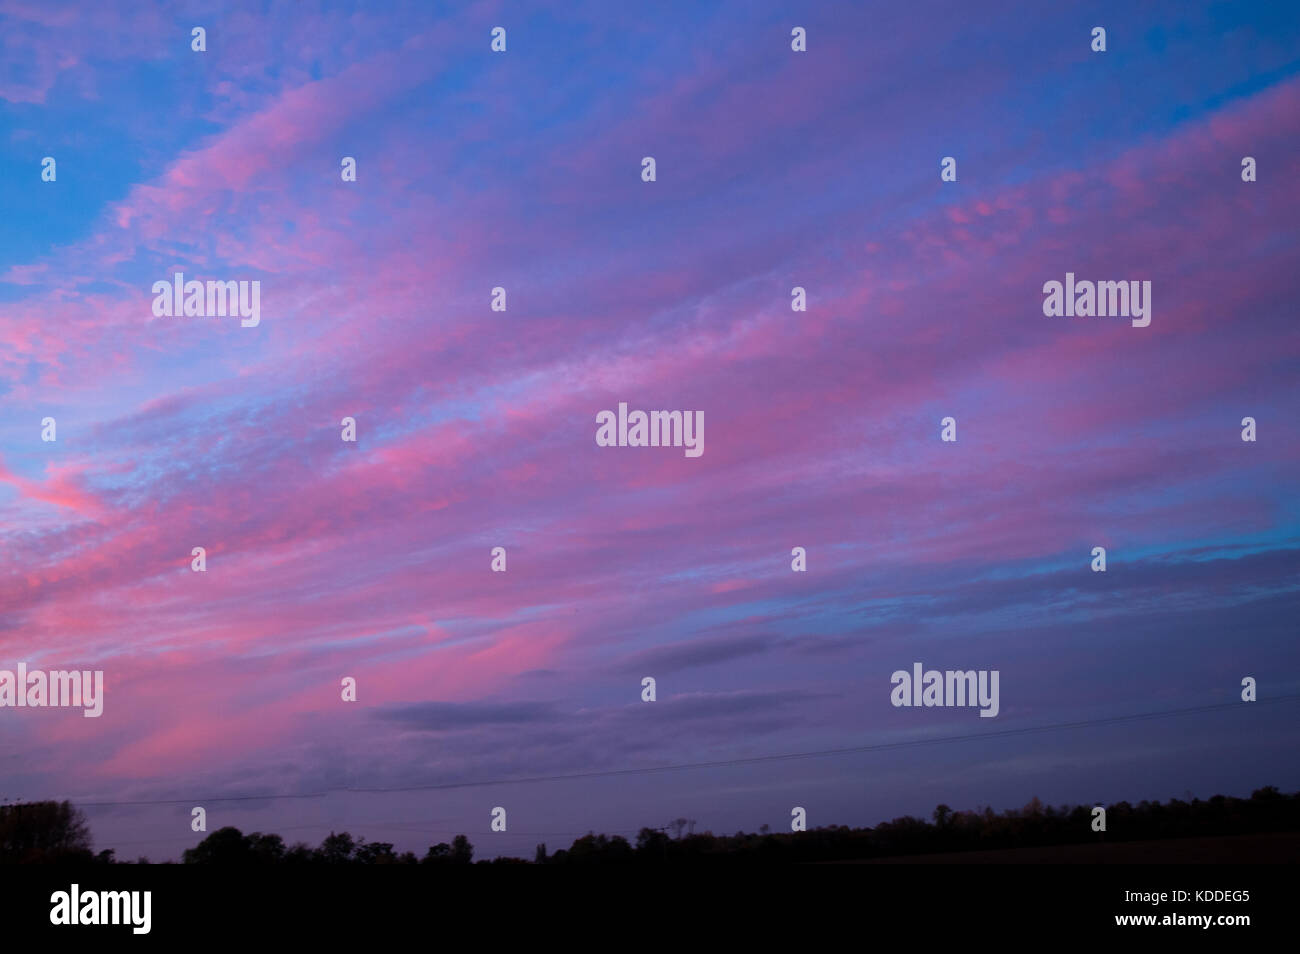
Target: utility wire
{"points": [[719, 763]]}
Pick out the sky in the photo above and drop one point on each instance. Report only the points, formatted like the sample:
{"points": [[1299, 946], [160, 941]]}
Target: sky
{"points": [[476, 428]]}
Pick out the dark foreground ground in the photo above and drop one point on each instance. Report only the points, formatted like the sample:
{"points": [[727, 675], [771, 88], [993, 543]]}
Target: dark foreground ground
{"points": [[1282, 848]]}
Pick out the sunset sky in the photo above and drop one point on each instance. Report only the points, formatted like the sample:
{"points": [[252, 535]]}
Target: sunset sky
{"points": [[476, 428]]}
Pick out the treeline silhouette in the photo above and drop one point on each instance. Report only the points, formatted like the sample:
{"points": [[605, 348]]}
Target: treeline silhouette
{"points": [[56, 832]]}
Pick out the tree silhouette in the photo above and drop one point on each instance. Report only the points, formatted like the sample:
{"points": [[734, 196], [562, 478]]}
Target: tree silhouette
{"points": [[600, 849], [44, 833], [337, 849], [462, 852], [439, 854], [223, 847]]}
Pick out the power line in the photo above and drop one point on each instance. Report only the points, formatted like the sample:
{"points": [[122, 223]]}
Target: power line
{"points": [[719, 763]]}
